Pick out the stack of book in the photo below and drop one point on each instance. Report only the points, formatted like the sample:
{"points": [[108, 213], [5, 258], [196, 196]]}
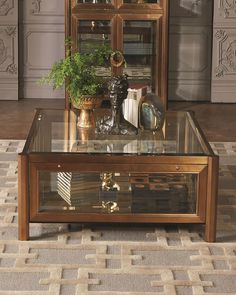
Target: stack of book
{"points": [[78, 188]]}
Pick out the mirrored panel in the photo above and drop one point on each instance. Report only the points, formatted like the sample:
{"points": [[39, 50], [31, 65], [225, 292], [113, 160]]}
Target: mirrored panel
{"points": [[93, 33], [140, 51], [142, 1], [118, 193], [94, 1]]}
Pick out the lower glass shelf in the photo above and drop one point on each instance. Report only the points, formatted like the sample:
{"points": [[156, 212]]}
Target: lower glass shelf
{"points": [[118, 193]]}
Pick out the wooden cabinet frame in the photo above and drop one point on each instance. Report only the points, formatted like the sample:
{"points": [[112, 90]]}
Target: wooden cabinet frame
{"points": [[118, 12]]}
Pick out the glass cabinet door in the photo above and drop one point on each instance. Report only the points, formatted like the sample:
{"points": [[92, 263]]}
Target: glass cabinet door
{"points": [[140, 47], [93, 33], [141, 37]]}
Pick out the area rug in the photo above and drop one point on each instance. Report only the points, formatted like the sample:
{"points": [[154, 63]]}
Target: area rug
{"points": [[117, 260]]}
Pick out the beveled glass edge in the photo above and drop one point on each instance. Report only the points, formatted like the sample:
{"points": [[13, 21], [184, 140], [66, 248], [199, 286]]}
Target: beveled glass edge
{"points": [[200, 134], [31, 131], [121, 6], [190, 115]]}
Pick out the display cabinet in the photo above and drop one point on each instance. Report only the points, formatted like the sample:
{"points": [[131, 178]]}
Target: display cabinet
{"points": [[136, 28]]}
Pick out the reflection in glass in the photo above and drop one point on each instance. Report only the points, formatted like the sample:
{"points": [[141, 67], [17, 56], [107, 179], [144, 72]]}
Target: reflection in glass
{"points": [[181, 137], [93, 34], [135, 193], [142, 1], [140, 51], [95, 1]]}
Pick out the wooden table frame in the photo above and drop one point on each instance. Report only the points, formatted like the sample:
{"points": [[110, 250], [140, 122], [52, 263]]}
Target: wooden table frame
{"points": [[205, 166], [30, 165]]}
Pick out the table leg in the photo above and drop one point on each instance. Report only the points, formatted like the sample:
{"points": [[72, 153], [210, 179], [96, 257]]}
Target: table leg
{"points": [[211, 205], [23, 202]]}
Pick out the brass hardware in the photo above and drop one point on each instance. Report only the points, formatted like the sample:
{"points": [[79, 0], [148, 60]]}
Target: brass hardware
{"points": [[117, 59], [109, 206]]}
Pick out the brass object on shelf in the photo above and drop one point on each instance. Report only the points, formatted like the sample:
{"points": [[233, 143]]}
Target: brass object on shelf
{"points": [[109, 206], [86, 105], [117, 59], [108, 182]]}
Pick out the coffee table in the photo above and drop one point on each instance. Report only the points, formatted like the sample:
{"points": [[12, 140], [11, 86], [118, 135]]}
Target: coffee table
{"points": [[70, 174]]}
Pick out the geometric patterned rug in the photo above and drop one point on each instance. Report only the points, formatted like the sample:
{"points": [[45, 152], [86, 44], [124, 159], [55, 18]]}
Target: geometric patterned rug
{"points": [[117, 260]]}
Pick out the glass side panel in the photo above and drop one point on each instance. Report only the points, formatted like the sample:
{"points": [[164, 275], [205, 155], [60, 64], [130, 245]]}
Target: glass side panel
{"points": [[57, 131], [116, 193], [140, 51]]}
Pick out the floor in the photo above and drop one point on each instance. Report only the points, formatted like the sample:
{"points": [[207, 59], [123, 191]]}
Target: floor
{"points": [[218, 121]]}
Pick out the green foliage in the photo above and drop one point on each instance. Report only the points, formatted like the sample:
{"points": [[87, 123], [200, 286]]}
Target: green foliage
{"points": [[79, 72]]}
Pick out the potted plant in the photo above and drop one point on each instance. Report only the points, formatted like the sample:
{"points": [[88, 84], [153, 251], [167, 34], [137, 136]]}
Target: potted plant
{"points": [[78, 72]]}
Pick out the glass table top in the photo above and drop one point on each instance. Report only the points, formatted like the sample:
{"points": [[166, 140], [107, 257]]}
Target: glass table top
{"points": [[56, 131]]}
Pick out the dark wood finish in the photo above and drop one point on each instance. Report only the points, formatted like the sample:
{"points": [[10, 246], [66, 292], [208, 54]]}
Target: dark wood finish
{"points": [[121, 218], [211, 209], [23, 198], [218, 121], [67, 33], [178, 163], [16, 116], [202, 194]]}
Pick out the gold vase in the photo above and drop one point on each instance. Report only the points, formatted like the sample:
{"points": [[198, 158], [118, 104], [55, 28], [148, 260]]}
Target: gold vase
{"points": [[86, 105]]}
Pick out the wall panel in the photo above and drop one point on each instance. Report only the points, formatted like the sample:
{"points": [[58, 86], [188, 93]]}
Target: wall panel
{"points": [[190, 50], [224, 52], [42, 43], [9, 50]]}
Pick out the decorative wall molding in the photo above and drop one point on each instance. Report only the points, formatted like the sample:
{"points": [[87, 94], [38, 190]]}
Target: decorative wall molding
{"points": [[11, 30], [228, 8], [36, 6], [12, 69], [46, 8], [226, 48], [8, 45], [36, 38], [6, 7], [8, 49], [223, 86]]}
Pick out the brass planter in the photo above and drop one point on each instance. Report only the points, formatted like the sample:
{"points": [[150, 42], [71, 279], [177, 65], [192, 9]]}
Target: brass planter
{"points": [[86, 105]]}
